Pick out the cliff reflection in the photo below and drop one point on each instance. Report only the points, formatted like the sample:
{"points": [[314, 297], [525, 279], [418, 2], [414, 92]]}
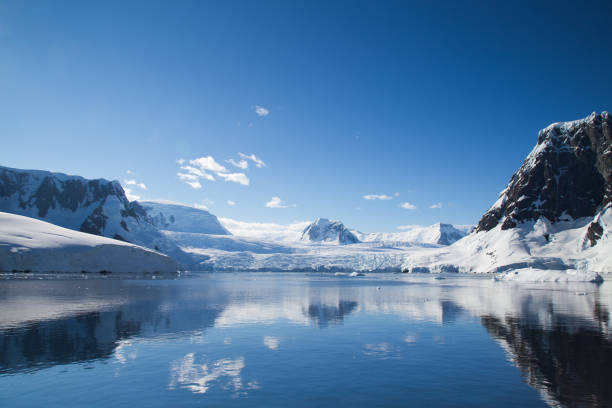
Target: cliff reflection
{"points": [[569, 365], [559, 337], [60, 330]]}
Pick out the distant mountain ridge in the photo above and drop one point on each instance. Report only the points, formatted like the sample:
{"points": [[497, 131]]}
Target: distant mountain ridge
{"points": [[436, 234], [322, 230]]}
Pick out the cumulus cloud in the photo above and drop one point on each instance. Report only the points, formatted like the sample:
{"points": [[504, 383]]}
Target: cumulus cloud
{"points": [[230, 202], [200, 206], [377, 197], [276, 202], [240, 178], [135, 183], [200, 168], [241, 164], [261, 111], [208, 163], [130, 196], [436, 205], [258, 162], [408, 206], [194, 184]]}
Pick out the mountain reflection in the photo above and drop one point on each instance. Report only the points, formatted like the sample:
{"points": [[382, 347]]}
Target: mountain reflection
{"points": [[559, 337], [569, 365], [323, 315], [62, 332]]}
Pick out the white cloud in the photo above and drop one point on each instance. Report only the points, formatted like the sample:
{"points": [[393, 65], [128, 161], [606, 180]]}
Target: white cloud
{"points": [[240, 178], [194, 184], [377, 197], [135, 183], [197, 169], [258, 162], [130, 196], [271, 342], [195, 172], [267, 231], [261, 111], [436, 205], [241, 164], [129, 172], [408, 206], [208, 163], [276, 202], [396, 195], [187, 176], [230, 202]]}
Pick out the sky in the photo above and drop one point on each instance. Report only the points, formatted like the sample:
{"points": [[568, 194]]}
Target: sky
{"points": [[380, 114]]}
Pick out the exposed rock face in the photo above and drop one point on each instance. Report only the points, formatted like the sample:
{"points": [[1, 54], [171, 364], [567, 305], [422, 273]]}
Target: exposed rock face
{"points": [[568, 175], [49, 196], [448, 234], [324, 230]]}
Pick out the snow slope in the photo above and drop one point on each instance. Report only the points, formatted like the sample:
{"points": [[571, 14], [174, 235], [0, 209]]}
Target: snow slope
{"points": [[555, 215], [540, 245], [27, 244], [94, 206], [181, 218], [433, 235]]}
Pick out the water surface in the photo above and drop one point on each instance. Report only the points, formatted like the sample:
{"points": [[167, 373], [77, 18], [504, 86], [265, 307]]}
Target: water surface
{"points": [[304, 340]]}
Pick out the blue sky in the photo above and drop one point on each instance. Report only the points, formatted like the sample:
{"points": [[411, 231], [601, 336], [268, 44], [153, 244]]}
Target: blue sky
{"points": [[428, 103]]}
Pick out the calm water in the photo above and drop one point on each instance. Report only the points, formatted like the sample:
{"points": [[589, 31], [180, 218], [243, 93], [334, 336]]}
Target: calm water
{"points": [[278, 340]]}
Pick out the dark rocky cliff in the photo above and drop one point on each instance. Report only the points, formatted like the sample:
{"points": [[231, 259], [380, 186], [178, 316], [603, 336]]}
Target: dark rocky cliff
{"points": [[568, 175]]}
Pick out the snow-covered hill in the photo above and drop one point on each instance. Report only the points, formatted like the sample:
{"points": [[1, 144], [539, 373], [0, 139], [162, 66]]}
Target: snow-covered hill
{"points": [[97, 207], [555, 214], [181, 218], [324, 230], [27, 244], [433, 235]]}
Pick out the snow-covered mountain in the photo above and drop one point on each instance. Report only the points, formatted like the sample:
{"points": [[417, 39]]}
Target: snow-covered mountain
{"points": [[323, 230], [181, 218], [555, 214], [28, 244], [433, 235], [97, 207]]}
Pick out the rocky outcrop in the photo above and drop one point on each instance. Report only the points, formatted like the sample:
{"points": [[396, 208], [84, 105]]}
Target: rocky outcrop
{"points": [[97, 207], [568, 175], [324, 230]]}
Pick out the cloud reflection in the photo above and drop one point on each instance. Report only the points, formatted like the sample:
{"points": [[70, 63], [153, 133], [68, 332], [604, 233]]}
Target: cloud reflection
{"points": [[199, 378]]}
